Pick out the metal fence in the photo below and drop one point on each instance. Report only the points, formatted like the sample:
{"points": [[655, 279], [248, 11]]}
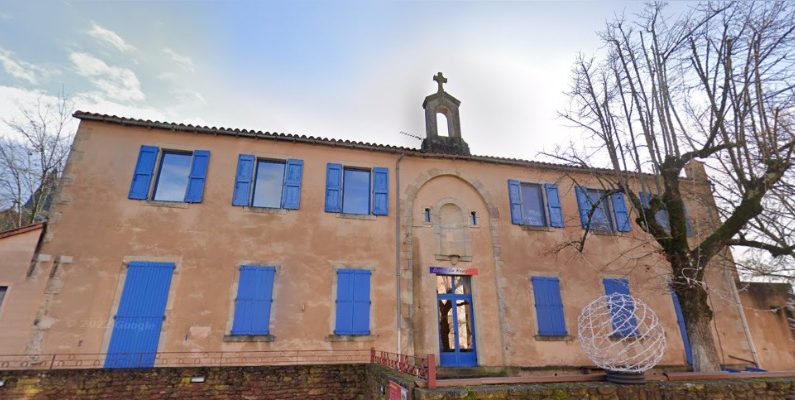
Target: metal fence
{"points": [[421, 367]]}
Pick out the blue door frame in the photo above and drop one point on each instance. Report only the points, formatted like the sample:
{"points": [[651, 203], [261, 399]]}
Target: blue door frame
{"points": [[137, 323], [680, 320], [456, 357]]}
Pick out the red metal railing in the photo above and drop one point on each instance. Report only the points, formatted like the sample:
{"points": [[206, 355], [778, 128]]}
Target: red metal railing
{"points": [[421, 367]]}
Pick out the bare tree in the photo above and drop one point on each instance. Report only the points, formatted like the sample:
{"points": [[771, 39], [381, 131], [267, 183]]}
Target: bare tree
{"points": [[717, 84], [32, 157]]}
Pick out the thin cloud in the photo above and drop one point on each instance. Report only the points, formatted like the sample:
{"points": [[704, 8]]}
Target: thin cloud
{"points": [[115, 82], [109, 37], [21, 69], [180, 59]]}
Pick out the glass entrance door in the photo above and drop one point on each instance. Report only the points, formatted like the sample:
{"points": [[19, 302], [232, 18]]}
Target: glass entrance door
{"points": [[456, 321]]}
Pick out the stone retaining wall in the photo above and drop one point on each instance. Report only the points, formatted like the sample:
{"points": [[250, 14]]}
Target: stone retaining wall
{"points": [[354, 382]]}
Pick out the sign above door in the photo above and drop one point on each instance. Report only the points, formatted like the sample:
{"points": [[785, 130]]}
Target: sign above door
{"points": [[454, 271]]}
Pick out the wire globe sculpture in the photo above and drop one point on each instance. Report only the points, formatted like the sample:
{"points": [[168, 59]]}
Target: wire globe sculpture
{"points": [[620, 333]]}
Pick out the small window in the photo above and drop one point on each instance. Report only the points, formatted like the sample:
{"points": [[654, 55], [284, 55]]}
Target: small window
{"points": [[173, 177], [3, 290], [622, 313], [533, 202], [351, 190], [268, 184], [427, 215], [601, 217], [473, 218], [353, 302], [356, 191]]}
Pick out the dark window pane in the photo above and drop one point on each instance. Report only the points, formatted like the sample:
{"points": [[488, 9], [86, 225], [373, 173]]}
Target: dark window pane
{"points": [[600, 220], [172, 182], [268, 184], [3, 290], [533, 205], [356, 191]]}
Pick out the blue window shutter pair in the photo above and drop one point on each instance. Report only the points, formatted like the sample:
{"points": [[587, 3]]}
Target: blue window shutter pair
{"points": [[549, 307], [623, 319], [620, 211], [253, 302], [353, 302], [662, 215], [553, 203], [145, 167], [244, 177], [334, 184]]}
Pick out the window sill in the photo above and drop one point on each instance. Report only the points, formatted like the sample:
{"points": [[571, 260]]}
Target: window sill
{"points": [[167, 204], [566, 338], [249, 338], [351, 338], [357, 216], [533, 228], [265, 210]]}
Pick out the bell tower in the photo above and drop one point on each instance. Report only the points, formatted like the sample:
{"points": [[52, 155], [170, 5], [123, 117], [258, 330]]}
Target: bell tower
{"points": [[441, 106]]}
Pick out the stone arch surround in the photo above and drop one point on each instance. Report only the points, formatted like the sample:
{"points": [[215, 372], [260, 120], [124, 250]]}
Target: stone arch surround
{"points": [[407, 252]]}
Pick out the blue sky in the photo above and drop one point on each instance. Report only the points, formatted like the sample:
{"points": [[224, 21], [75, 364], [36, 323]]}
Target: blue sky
{"points": [[351, 70]]}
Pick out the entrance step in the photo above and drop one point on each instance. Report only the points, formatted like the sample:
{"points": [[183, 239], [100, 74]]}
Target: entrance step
{"points": [[475, 372]]}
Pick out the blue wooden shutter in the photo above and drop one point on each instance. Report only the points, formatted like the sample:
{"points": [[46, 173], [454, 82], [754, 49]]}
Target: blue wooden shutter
{"points": [[142, 176], [690, 231], [242, 191], [198, 175], [333, 187], [344, 320], [515, 197], [621, 213], [553, 205], [584, 204], [680, 320], [624, 321], [549, 307], [645, 199], [253, 302], [139, 318], [380, 191], [291, 193], [361, 302]]}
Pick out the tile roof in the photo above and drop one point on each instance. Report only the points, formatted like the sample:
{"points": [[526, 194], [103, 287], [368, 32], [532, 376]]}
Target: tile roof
{"points": [[21, 230], [113, 119]]}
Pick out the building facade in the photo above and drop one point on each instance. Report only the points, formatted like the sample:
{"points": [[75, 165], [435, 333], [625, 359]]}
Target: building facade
{"points": [[177, 238]]}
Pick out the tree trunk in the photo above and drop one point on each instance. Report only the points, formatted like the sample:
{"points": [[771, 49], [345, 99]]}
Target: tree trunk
{"points": [[698, 315]]}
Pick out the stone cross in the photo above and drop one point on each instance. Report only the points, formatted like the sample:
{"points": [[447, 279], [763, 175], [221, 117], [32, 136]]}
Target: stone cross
{"points": [[441, 80]]}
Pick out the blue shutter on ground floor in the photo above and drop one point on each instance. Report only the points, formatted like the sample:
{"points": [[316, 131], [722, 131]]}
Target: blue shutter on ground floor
{"points": [[353, 302], [380, 191], [242, 191], [253, 302], [142, 176], [515, 198], [139, 318], [333, 188], [621, 212], [622, 314], [549, 307], [553, 205], [197, 177], [291, 194]]}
